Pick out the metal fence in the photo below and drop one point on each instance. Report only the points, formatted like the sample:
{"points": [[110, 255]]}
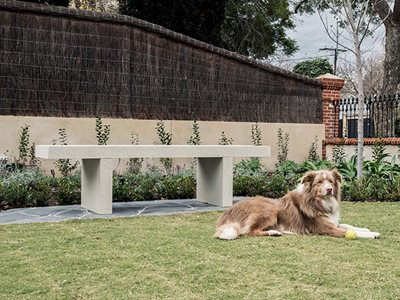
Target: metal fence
{"points": [[381, 117]]}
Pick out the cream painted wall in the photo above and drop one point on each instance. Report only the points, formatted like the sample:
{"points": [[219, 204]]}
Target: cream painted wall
{"points": [[82, 131], [350, 150]]}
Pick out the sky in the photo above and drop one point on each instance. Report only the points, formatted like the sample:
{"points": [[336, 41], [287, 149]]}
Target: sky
{"points": [[310, 36]]}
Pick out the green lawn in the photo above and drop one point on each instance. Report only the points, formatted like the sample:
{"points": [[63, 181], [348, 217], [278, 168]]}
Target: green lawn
{"points": [[176, 257]]}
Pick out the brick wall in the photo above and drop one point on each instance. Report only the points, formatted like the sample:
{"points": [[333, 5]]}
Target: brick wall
{"points": [[331, 86]]}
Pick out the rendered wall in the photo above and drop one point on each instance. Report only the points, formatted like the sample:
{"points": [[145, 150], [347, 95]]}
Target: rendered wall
{"points": [[82, 131]]}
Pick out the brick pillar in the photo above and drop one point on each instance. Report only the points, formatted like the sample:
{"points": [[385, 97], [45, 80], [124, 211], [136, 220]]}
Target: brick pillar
{"points": [[331, 86]]}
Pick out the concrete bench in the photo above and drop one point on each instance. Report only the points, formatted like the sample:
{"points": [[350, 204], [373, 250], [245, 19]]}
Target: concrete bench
{"points": [[214, 168]]}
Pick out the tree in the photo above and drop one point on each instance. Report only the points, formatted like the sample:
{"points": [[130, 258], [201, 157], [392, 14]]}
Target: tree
{"points": [[313, 68], [386, 12], [51, 2], [391, 64], [109, 6], [257, 28], [356, 18], [373, 76], [250, 27], [200, 19]]}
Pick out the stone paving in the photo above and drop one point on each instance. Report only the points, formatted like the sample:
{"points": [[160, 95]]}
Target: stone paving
{"points": [[120, 209]]}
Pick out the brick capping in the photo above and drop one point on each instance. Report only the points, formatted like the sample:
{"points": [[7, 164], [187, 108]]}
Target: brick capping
{"points": [[367, 141], [19, 6]]}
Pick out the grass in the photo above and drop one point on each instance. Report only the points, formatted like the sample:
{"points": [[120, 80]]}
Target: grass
{"points": [[176, 257]]}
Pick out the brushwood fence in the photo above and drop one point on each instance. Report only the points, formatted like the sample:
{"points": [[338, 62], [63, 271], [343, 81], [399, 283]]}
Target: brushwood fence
{"points": [[69, 63], [381, 117]]}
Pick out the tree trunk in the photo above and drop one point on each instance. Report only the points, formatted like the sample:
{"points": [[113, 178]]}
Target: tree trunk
{"points": [[391, 64], [360, 83]]}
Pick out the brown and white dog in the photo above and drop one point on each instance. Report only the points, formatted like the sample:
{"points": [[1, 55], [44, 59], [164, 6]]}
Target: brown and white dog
{"points": [[312, 208]]}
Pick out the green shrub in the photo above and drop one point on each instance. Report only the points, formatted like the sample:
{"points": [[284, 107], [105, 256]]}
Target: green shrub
{"points": [[26, 188], [153, 185], [179, 186], [394, 194], [315, 165], [312, 152], [102, 132], [338, 154], [224, 140], [136, 187], [68, 190], [250, 167], [165, 138], [371, 188], [283, 146], [2, 196], [40, 191], [256, 135], [271, 185], [291, 171]]}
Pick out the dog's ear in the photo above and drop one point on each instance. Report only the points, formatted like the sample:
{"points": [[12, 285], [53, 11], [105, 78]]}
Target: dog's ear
{"points": [[337, 176], [308, 177]]}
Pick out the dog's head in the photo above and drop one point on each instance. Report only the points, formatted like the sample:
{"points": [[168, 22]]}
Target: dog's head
{"points": [[322, 184]]}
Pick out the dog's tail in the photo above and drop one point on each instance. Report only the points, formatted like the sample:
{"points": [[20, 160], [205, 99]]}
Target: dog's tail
{"points": [[229, 231]]}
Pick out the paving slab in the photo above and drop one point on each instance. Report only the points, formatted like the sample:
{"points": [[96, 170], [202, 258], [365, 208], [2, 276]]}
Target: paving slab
{"points": [[120, 209]]}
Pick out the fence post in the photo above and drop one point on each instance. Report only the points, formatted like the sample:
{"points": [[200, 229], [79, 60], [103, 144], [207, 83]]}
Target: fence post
{"points": [[331, 86]]}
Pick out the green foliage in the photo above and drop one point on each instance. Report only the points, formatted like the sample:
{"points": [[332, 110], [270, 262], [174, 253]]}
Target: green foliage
{"points": [[33, 161], [267, 185], [68, 190], [224, 140], [64, 165], [338, 154], [25, 150], [371, 188], [315, 165], [25, 188], [195, 137], [371, 168], [348, 169], [256, 134], [258, 28], [313, 68], [102, 132], [179, 186], [134, 164], [153, 185], [283, 146], [200, 19], [312, 152], [165, 138], [64, 3], [378, 151], [252, 28], [249, 167], [24, 142]]}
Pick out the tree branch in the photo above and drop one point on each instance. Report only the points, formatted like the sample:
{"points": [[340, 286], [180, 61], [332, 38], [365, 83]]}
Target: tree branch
{"points": [[382, 8], [298, 6]]}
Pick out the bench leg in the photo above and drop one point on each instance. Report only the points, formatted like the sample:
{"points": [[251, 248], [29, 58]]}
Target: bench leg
{"points": [[96, 185], [215, 180]]}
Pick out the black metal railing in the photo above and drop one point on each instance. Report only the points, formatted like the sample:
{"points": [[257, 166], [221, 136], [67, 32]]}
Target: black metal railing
{"points": [[381, 116]]}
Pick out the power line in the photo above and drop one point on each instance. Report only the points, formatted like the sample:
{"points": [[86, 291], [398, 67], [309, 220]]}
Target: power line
{"points": [[303, 58], [335, 50]]}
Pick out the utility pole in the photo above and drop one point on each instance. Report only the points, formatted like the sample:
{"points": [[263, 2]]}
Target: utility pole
{"points": [[336, 50]]}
